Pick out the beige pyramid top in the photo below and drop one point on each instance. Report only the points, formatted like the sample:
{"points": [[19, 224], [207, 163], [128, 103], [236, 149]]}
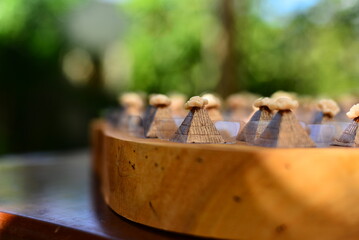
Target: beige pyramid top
{"points": [[213, 107], [240, 106], [327, 110], [132, 102], [197, 127], [177, 104]]}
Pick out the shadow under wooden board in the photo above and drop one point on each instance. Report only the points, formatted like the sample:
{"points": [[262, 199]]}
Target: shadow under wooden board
{"points": [[229, 191], [53, 196]]}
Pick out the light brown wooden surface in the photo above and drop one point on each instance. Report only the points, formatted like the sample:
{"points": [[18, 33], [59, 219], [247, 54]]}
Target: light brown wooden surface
{"points": [[230, 191]]}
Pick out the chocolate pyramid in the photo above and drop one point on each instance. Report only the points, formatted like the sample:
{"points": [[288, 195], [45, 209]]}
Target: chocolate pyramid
{"points": [[132, 103], [240, 106], [159, 110], [197, 127], [213, 107], [349, 137], [256, 124], [177, 102], [284, 130], [130, 118], [327, 111]]}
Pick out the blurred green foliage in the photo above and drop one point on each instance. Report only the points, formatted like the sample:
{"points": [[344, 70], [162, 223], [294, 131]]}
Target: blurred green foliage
{"points": [[312, 53], [175, 45], [169, 43], [32, 22], [39, 109]]}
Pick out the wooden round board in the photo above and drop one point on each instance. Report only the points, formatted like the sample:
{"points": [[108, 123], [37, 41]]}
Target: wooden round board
{"points": [[229, 191]]}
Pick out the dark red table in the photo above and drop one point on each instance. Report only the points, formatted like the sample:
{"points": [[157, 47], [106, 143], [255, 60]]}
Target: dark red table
{"points": [[54, 196]]}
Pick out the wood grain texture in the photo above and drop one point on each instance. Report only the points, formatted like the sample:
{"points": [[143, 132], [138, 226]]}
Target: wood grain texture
{"points": [[52, 196], [231, 191]]}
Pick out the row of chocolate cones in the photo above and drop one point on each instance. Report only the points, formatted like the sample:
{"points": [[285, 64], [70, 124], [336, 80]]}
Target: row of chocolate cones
{"points": [[197, 127], [238, 107], [282, 129], [273, 125]]}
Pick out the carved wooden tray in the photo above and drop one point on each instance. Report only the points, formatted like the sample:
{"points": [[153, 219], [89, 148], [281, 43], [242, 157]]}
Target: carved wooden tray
{"points": [[229, 191]]}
